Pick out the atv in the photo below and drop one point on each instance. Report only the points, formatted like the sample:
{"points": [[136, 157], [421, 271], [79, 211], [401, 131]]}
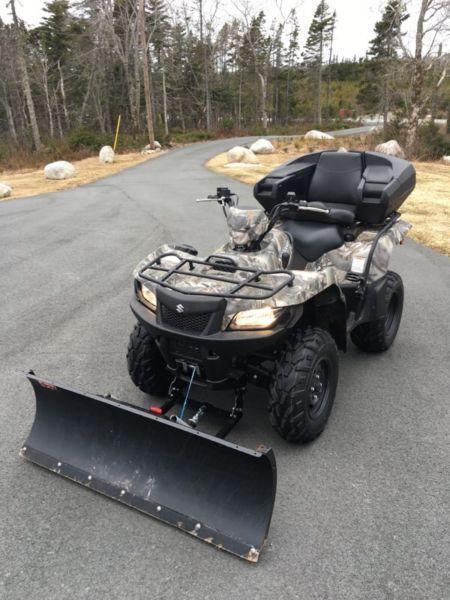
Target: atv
{"points": [[270, 308], [273, 306]]}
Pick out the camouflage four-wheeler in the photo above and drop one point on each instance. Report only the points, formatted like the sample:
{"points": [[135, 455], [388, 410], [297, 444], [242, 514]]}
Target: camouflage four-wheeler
{"points": [[270, 308]]}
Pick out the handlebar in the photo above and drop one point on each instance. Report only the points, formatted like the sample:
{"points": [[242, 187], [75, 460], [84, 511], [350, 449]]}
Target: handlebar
{"points": [[314, 209], [223, 196]]}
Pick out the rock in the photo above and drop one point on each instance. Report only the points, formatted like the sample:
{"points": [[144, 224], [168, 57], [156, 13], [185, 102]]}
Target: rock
{"points": [[262, 146], [446, 160], [317, 135], [391, 147], [239, 154], [148, 150], [61, 169], [342, 149], [106, 155], [5, 190]]}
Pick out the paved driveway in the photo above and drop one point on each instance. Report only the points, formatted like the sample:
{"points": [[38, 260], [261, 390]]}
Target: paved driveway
{"points": [[360, 514]]}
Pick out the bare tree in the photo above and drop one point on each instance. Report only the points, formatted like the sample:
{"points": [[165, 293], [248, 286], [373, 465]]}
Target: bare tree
{"points": [[45, 69], [146, 75], [260, 49], [205, 67], [433, 21], [25, 78], [9, 114], [330, 60]]}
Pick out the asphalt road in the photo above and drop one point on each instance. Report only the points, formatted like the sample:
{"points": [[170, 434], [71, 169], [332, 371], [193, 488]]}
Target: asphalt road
{"points": [[360, 513]]}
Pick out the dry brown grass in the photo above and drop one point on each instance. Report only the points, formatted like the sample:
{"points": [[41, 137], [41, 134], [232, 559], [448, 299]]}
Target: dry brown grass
{"points": [[29, 182], [427, 209]]}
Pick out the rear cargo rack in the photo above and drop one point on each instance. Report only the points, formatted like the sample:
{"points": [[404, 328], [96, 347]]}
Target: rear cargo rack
{"points": [[216, 263]]}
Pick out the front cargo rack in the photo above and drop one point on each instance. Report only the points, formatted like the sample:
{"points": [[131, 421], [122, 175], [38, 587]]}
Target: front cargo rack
{"points": [[254, 277]]}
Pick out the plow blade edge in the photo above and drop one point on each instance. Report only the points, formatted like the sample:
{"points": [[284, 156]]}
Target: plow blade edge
{"points": [[217, 491]]}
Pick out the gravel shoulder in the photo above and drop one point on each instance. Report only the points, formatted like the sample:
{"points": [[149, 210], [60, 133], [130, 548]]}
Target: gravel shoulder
{"points": [[31, 182]]}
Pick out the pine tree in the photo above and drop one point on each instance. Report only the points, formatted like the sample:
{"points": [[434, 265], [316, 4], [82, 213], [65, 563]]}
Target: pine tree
{"points": [[382, 55], [319, 37], [55, 31]]}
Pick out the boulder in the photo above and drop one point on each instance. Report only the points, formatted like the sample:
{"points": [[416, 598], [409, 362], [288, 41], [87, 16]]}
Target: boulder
{"points": [[106, 155], [239, 154], [342, 149], [61, 169], [391, 147], [149, 150], [262, 146], [446, 160], [317, 135], [5, 190]]}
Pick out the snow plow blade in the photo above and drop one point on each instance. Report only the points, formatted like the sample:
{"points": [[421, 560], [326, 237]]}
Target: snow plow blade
{"points": [[217, 491]]}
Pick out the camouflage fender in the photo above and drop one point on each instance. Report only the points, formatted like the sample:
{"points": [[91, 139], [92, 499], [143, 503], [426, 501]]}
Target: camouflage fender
{"points": [[330, 269], [352, 256]]}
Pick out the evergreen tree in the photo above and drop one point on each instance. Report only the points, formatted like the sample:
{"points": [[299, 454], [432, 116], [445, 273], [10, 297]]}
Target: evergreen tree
{"points": [[55, 31], [319, 37], [375, 93]]}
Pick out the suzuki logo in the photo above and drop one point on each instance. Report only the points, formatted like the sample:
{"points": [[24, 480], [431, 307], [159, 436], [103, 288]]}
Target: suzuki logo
{"points": [[180, 308]]}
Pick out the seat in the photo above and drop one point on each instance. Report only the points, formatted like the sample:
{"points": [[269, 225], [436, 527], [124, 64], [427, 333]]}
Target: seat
{"points": [[337, 179], [335, 189], [311, 239]]}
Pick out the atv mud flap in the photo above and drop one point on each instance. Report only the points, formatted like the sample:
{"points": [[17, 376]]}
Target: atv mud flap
{"points": [[215, 490]]}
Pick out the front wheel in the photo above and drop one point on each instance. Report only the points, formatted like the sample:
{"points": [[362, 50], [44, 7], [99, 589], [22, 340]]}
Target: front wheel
{"points": [[304, 385], [146, 365]]}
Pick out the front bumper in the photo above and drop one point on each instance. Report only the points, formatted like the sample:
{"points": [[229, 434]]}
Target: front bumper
{"points": [[218, 355]]}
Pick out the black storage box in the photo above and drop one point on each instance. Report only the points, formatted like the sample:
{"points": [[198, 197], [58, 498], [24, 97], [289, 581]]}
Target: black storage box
{"points": [[376, 184]]}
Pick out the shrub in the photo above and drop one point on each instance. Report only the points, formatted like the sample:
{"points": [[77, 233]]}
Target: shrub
{"points": [[431, 143], [86, 138], [196, 135], [227, 123]]}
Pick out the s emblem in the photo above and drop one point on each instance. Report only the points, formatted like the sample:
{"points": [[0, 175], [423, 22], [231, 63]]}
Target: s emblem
{"points": [[180, 308]]}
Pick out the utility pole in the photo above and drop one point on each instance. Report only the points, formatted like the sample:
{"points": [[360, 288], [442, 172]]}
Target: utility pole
{"points": [[25, 80], [146, 75]]}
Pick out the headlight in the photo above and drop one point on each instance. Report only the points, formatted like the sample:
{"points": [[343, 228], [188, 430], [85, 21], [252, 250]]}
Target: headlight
{"points": [[258, 318], [148, 298]]}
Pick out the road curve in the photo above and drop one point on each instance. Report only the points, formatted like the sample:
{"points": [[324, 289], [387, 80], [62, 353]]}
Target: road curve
{"points": [[360, 513]]}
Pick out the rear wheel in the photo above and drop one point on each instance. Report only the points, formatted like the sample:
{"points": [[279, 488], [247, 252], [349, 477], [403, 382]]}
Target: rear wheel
{"points": [[304, 386], [146, 365], [379, 334]]}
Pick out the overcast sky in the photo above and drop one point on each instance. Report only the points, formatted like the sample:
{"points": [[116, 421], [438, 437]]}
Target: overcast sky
{"points": [[355, 18]]}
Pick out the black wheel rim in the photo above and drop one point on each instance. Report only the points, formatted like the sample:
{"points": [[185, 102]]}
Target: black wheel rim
{"points": [[319, 391], [392, 315]]}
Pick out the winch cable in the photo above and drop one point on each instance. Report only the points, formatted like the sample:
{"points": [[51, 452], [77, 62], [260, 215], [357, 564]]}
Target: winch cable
{"points": [[188, 391]]}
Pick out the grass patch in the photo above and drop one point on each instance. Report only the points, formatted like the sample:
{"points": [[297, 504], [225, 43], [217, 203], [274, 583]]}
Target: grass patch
{"points": [[427, 208], [30, 182]]}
